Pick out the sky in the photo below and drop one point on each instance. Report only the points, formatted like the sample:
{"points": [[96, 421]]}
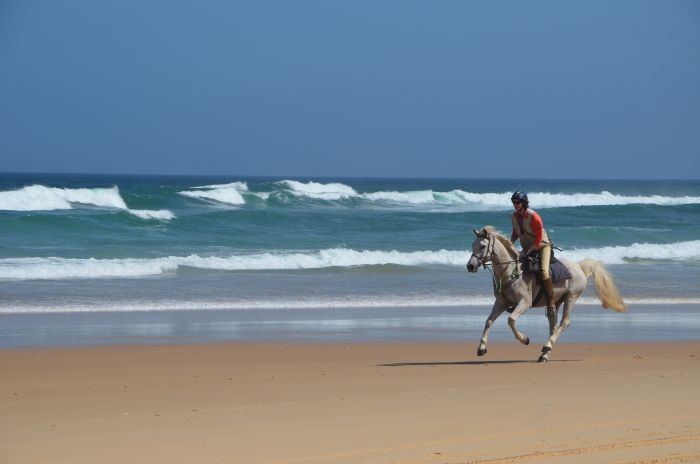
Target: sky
{"points": [[491, 89]]}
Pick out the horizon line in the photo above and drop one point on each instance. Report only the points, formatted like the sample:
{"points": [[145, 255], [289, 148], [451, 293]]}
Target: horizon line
{"points": [[325, 176]]}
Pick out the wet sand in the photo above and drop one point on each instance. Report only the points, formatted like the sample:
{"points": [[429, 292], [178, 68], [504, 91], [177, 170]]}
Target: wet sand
{"points": [[590, 324], [351, 403]]}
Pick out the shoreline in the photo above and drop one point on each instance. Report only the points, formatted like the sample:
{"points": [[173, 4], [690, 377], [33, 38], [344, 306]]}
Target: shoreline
{"points": [[589, 324], [340, 403]]}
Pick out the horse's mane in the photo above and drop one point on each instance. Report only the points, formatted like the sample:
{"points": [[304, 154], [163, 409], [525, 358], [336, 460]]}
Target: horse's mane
{"points": [[507, 244]]}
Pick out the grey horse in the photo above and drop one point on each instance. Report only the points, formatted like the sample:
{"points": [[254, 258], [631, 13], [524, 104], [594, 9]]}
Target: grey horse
{"points": [[516, 290]]}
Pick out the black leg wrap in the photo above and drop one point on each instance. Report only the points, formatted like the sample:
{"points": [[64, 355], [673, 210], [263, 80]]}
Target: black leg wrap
{"points": [[546, 349]]}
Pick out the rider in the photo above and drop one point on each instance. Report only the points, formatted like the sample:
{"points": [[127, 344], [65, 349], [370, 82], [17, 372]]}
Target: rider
{"points": [[528, 227]]}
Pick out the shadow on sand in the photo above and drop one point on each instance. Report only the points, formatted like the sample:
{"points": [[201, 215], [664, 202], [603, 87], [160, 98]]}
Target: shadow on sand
{"points": [[474, 363]]}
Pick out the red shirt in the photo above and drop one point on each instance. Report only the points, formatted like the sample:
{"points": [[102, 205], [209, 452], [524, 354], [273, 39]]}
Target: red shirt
{"points": [[535, 224]]}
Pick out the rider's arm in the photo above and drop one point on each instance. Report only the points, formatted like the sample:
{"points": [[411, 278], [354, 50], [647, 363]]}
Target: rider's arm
{"points": [[514, 234], [536, 225]]}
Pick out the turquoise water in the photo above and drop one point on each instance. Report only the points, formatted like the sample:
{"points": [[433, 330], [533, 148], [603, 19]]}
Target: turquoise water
{"points": [[83, 243]]}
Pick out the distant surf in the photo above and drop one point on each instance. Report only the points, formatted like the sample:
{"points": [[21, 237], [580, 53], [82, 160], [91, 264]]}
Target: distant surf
{"points": [[285, 192], [341, 194], [43, 198]]}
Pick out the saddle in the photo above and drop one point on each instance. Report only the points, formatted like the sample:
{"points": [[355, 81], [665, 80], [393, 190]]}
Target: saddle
{"points": [[531, 264]]}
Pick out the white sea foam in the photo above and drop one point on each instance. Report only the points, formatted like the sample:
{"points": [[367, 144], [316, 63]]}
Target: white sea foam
{"points": [[332, 191], [74, 268], [351, 301], [475, 201], [161, 214], [230, 194], [339, 302], [501, 201], [42, 198], [678, 251], [238, 185], [226, 195], [605, 198], [419, 197], [338, 191]]}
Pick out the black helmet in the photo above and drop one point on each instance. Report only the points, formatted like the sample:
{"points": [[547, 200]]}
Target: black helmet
{"points": [[519, 195]]}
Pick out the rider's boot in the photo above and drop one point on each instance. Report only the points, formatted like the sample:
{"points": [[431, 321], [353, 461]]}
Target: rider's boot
{"points": [[551, 308]]}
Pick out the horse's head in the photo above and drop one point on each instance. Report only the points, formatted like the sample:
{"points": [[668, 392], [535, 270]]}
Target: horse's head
{"points": [[482, 249]]}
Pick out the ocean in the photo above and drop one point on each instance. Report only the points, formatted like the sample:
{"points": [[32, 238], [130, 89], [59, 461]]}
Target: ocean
{"points": [[234, 248]]}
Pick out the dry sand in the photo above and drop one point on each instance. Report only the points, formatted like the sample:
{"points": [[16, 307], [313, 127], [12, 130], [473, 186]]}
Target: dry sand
{"points": [[358, 403]]}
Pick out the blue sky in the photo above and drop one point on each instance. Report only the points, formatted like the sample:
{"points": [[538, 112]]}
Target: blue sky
{"points": [[515, 89]]}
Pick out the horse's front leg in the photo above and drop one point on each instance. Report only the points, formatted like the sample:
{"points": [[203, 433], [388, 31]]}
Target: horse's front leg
{"points": [[519, 310], [498, 308]]}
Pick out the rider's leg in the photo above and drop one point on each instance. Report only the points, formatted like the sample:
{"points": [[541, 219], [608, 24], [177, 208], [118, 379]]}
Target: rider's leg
{"points": [[545, 255]]}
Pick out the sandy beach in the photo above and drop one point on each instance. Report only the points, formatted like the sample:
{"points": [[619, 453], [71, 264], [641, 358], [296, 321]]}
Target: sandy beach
{"points": [[251, 232], [350, 403]]}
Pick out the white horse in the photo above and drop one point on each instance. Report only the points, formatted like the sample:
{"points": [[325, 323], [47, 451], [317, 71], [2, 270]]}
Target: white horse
{"points": [[517, 290]]}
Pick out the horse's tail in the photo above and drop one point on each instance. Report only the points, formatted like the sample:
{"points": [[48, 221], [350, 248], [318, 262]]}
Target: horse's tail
{"points": [[605, 287]]}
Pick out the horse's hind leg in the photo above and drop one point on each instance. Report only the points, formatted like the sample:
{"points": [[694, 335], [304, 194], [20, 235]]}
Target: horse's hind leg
{"points": [[565, 321], [497, 310], [519, 310]]}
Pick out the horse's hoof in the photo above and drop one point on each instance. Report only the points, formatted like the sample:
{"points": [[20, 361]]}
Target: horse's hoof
{"points": [[527, 341], [481, 351], [543, 358]]}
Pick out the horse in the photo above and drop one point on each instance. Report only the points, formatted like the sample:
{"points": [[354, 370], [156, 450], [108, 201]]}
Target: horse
{"points": [[515, 290]]}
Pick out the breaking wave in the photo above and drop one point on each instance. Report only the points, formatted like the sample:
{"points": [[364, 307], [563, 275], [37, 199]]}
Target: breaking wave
{"points": [[332, 191], [90, 268], [229, 194], [76, 268], [284, 193], [234, 193], [42, 198], [679, 251]]}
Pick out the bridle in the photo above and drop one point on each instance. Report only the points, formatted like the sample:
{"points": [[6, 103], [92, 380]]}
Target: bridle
{"points": [[490, 256]]}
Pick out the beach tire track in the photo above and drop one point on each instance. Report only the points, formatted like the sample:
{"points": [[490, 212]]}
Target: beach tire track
{"points": [[672, 459], [536, 455], [539, 455]]}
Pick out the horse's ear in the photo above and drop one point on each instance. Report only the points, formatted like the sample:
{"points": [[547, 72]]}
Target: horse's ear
{"points": [[481, 233], [476, 232]]}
